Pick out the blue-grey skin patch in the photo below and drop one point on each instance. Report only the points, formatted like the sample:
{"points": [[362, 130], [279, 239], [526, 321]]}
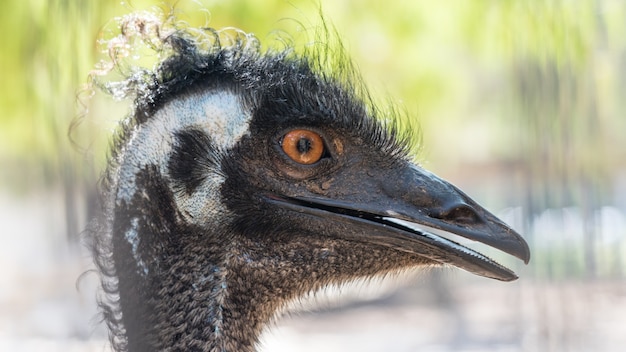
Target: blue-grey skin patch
{"points": [[219, 293], [220, 114], [132, 237]]}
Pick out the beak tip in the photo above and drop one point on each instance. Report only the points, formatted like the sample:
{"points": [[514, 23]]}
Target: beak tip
{"points": [[512, 278], [517, 246], [523, 252]]}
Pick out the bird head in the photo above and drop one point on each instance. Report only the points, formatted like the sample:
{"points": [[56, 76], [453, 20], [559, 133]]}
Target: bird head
{"points": [[252, 178]]}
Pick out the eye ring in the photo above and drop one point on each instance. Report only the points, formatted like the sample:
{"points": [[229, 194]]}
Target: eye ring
{"points": [[303, 146]]}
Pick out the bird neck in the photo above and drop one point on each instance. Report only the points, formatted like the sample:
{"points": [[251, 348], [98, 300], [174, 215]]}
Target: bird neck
{"points": [[184, 308], [181, 287]]}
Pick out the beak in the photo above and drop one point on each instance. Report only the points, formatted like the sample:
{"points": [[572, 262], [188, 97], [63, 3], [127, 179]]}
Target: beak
{"points": [[412, 210]]}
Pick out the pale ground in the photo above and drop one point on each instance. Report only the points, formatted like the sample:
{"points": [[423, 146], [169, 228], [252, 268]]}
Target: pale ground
{"points": [[42, 308]]}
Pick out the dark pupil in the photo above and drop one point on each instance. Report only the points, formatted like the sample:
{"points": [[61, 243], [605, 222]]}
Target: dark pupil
{"points": [[304, 145]]}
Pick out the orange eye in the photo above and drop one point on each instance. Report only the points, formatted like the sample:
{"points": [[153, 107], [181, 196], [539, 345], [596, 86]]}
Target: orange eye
{"points": [[303, 146]]}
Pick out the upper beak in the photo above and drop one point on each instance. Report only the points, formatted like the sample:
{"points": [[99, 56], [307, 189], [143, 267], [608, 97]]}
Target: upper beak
{"points": [[412, 210]]}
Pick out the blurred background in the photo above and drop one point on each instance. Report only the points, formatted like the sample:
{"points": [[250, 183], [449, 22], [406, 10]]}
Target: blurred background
{"points": [[521, 104]]}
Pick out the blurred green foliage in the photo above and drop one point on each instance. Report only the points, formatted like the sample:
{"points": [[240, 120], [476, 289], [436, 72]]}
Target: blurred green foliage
{"points": [[440, 60], [431, 56]]}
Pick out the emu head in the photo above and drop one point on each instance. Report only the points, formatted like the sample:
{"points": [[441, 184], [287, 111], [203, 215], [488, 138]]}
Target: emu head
{"points": [[246, 180]]}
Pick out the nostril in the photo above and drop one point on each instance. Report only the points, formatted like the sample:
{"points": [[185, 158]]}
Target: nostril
{"points": [[461, 213]]}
